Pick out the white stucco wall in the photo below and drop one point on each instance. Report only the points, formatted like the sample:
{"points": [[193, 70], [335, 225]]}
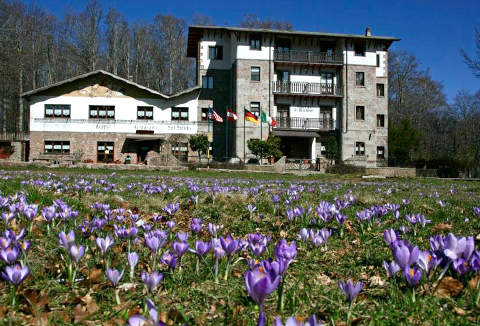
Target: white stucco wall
{"points": [[125, 115]]}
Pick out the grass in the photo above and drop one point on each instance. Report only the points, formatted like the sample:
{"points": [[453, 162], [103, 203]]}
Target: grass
{"points": [[185, 297]]}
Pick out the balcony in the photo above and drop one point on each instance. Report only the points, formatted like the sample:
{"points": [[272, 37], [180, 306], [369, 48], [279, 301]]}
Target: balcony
{"points": [[308, 57], [304, 123], [307, 89], [14, 136]]}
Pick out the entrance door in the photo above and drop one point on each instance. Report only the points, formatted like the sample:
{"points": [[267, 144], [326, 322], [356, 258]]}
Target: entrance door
{"points": [[105, 152], [283, 115], [325, 117], [283, 79]]}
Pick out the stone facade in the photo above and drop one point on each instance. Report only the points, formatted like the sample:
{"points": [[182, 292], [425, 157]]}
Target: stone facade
{"points": [[252, 91], [366, 131]]}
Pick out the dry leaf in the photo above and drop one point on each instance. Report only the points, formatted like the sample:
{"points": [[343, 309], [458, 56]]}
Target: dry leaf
{"points": [[473, 283], [324, 279], [377, 281], [449, 287], [283, 234], [442, 227], [459, 311], [95, 275]]}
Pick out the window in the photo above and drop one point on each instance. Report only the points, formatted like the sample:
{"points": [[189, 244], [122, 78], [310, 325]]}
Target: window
{"points": [[255, 73], [359, 78], [215, 52], [380, 152], [180, 114], [378, 60], [255, 108], [57, 110], [359, 112], [144, 112], [360, 148], [207, 82], [105, 151], [180, 151], [359, 49], [323, 150], [380, 120], [381, 90], [57, 147], [102, 112], [204, 114], [255, 42]]}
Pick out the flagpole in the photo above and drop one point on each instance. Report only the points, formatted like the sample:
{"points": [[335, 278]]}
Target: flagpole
{"points": [[226, 134], [261, 138], [208, 135], [244, 153]]}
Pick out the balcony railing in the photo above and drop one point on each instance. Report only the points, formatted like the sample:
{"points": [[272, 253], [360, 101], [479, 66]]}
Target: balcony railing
{"points": [[14, 136], [308, 57], [305, 88], [304, 123]]}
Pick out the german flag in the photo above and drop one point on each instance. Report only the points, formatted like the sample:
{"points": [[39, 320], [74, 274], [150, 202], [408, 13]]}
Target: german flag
{"points": [[249, 116]]}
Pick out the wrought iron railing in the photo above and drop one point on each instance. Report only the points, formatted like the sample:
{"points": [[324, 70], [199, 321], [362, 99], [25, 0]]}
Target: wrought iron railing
{"points": [[306, 88], [304, 123], [308, 57]]}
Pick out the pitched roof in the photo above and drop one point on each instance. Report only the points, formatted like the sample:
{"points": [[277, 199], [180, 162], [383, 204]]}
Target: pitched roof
{"points": [[194, 35], [106, 73]]}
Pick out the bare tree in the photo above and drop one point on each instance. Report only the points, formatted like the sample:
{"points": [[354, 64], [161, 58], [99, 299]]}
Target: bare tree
{"points": [[202, 20], [252, 21], [474, 61]]}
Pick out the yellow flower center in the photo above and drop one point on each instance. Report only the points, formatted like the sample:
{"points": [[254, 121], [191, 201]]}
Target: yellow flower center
{"points": [[411, 271]]}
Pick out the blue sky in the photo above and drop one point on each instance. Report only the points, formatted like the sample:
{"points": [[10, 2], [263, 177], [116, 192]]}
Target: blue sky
{"points": [[432, 30]]}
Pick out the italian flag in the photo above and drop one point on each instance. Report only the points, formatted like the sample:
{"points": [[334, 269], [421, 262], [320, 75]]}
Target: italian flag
{"points": [[268, 119], [231, 115]]}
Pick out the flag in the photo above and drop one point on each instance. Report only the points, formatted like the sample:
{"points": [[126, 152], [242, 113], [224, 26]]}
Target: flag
{"points": [[250, 117], [268, 119], [212, 115], [231, 115]]}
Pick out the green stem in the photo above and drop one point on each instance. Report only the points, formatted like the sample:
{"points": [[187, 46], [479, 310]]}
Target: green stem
{"points": [[226, 269], [349, 315]]}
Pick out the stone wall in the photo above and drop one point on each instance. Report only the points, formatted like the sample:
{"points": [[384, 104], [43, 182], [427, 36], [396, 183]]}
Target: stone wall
{"points": [[252, 91], [87, 143], [366, 131]]}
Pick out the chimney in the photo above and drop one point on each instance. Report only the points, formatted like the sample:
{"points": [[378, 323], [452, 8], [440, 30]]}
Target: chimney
{"points": [[368, 31]]}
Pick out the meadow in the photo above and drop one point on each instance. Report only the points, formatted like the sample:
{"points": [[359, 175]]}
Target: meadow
{"points": [[151, 248]]}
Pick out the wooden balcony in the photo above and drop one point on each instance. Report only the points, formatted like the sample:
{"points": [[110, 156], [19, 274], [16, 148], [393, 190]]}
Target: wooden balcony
{"points": [[307, 89], [304, 123], [308, 57]]}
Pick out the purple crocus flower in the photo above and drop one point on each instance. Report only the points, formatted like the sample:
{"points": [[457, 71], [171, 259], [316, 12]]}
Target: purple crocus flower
{"points": [[138, 320], [412, 275], [201, 248], [5, 242], [404, 254], [292, 321], [390, 236], [132, 259], [15, 274], [392, 268], [260, 284], [169, 259], [48, 213], [114, 276], [196, 225], [213, 229], [286, 252], [153, 243], [350, 290], [427, 261], [104, 243], [257, 249], [475, 261], [152, 280], [229, 244], [76, 252], [182, 236], [66, 240], [171, 208], [179, 248], [10, 254], [171, 224]]}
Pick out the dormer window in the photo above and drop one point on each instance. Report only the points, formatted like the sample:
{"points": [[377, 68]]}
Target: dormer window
{"points": [[255, 42]]}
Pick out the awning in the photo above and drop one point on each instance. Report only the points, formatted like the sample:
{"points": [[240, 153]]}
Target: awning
{"points": [[295, 133]]}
